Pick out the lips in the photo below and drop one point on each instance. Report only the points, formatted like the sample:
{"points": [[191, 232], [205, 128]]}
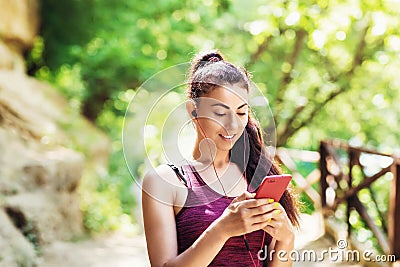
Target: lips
{"points": [[227, 137]]}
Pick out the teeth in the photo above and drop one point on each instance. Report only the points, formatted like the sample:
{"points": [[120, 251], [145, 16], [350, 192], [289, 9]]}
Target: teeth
{"points": [[228, 136]]}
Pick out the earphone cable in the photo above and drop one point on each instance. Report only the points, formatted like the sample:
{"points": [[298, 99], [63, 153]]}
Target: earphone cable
{"points": [[212, 161]]}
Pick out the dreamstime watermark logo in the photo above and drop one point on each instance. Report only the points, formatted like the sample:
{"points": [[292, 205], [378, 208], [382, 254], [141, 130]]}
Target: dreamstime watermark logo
{"points": [[338, 254], [159, 129]]}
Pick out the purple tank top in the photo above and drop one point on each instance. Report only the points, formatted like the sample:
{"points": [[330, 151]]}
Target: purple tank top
{"points": [[194, 218]]}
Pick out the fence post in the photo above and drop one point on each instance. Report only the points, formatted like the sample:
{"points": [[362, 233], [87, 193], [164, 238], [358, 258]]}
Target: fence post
{"points": [[350, 201], [394, 211], [324, 173]]}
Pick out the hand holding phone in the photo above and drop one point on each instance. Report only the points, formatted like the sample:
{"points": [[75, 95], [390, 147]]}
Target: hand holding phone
{"points": [[273, 186]]}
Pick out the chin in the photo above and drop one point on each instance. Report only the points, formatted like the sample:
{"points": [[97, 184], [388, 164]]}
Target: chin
{"points": [[226, 147]]}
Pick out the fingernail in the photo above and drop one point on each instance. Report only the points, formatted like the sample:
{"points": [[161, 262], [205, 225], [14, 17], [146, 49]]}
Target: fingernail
{"points": [[271, 200], [269, 220], [277, 212], [276, 205], [253, 194]]}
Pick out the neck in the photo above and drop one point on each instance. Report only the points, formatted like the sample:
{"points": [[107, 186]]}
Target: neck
{"points": [[206, 152]]}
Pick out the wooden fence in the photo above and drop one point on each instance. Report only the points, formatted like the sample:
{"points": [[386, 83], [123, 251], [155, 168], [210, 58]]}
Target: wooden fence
{"points": [[342, 171], [345, 171]]}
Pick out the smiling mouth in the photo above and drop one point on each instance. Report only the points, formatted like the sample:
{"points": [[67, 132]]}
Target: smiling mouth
{"points": [[227, 137]]}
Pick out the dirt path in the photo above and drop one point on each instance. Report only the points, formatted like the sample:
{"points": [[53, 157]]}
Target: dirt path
{"points": [[122, 250], [117, 250]]}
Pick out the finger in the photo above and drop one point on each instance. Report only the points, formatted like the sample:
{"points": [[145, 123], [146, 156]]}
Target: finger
{"points": [[278, 206], [241, 197], [281, 207], [281, 216], [268, 217], [270, 230], [260, 218], [252, 203], [276, 215], [275, 224], [249, 195], [265, 208], [258, 226]]}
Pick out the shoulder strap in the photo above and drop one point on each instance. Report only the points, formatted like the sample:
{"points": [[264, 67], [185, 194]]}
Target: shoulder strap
{"points": [[178, 174]]}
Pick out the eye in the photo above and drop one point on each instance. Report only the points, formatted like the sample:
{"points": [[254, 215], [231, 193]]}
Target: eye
{"points": [[219, 114], [242, 113]]}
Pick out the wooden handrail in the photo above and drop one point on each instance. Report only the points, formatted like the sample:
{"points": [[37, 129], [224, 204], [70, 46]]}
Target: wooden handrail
{"points": [[345, 146], [366, 183]]}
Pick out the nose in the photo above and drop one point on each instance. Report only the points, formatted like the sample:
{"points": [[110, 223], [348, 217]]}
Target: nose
{"points": [[231, 123]]}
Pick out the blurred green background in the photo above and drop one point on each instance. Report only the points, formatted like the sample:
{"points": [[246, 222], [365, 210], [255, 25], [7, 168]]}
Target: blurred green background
{"points": [[330, 69]]}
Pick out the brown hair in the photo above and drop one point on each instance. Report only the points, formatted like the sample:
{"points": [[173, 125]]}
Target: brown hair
{"points": [[209, 70]]}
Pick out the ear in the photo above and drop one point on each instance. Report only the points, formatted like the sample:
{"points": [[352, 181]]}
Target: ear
{"points": [[191, 108]]}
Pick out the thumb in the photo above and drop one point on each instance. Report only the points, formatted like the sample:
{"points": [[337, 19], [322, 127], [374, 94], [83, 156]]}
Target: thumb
{"points": [[245, 195]]}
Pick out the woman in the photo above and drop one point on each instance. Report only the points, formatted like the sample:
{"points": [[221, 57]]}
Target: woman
{"points": [[207, 217]]}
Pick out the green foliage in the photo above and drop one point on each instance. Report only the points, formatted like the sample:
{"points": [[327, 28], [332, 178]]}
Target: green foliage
{"points": [[306, 204], [102, 209], [119, 175], [66, 25], [281, 43]]}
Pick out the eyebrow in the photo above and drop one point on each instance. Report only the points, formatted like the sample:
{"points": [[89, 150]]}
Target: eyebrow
{"points": [[225, 106]]}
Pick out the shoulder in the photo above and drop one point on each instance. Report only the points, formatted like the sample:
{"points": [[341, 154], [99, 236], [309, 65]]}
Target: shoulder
{"points": [[161, 182], [161, 173]]}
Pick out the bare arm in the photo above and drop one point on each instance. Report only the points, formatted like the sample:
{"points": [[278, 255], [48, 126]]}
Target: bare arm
{"points": [[282, 243], [161, 238], [281, 251], [160, 228]]}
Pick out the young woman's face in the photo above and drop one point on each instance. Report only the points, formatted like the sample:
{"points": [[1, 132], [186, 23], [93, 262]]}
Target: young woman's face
{"points": [[223, 115]]}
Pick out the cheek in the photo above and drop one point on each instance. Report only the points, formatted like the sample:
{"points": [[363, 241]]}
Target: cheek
{"points": [[209, 125], [243, 125], [244, 122]]}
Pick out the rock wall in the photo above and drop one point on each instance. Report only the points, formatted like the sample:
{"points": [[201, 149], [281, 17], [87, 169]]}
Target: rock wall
{"points": [[19, 22], [39, 174]]}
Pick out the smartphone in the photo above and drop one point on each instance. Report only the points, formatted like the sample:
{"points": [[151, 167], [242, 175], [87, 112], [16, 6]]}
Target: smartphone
{"points": [[273, 186]]}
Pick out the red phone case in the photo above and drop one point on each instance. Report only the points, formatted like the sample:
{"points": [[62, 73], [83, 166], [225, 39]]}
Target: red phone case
{"points": [[273, 186]]}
